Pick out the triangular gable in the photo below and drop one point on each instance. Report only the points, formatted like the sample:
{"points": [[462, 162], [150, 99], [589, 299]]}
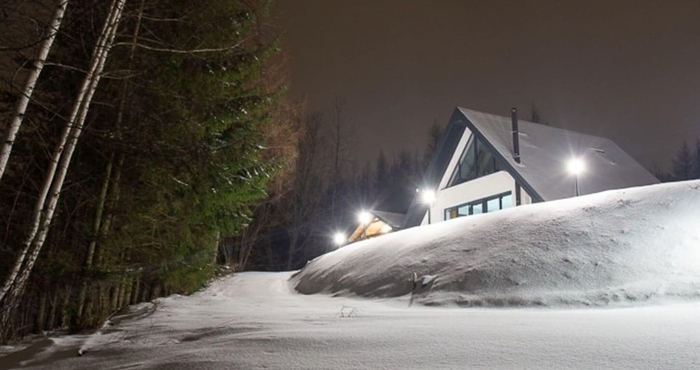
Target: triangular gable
{"points": [[544, 152], [438, 164]]}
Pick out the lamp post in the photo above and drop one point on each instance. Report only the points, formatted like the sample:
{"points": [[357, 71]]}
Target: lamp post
{"points": [[428, 197], [576, 167], [365, 219]]}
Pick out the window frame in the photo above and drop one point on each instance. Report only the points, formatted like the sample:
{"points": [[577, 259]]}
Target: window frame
{"points": [[483, 202], [476, 147]]}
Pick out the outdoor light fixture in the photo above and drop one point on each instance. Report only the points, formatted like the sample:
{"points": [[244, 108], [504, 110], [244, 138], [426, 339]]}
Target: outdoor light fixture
{"points": [[365, 217], [575, 167], [428, 197], [339, 239]]}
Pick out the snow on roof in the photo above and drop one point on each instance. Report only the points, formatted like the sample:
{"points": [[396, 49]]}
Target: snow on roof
{"points": [[394, 220], [629, 245], [545, 151]]}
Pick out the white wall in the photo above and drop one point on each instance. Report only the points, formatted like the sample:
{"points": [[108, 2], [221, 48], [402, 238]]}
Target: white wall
{"points": [[479, 188], [482, 187]]}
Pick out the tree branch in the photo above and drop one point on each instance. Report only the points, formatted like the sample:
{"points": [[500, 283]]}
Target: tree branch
{"points": [[180, 51]]}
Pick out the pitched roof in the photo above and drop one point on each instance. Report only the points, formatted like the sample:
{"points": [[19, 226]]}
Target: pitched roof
{"points": [[377, 225], [544, 153], [394, 220]]}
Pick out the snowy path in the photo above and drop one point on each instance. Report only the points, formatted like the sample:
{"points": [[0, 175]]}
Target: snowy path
{"points": [[254, 321]]}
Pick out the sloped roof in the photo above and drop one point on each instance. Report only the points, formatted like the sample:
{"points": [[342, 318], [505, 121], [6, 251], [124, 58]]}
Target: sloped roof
{"points": [[376, 227], [392, 219], [544, 152]]}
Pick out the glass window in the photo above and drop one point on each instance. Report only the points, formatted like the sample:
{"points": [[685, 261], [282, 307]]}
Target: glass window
{"points": [[450, 213], [485, 205], [477, 208], [463, 211], [507, 201], [476, 161], [493, 204]]}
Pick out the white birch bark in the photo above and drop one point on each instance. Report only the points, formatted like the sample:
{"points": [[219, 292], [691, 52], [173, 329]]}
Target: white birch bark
{"points": [[102, 200], [21, 107], [53, 184]]}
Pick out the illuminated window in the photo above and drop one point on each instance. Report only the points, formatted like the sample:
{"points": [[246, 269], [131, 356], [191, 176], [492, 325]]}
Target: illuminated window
{"points": [[476, 161], [485, 205]]}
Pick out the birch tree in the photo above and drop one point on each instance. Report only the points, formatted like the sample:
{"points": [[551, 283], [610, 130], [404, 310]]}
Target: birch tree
{"points": [[29, 85], [45, 205]]}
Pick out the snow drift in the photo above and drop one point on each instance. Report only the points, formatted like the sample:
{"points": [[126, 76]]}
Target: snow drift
{"points": [[616, 247]]}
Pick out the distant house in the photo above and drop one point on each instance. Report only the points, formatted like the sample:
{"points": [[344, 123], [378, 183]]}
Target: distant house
{"points": [[376, 224], [486, 163]]}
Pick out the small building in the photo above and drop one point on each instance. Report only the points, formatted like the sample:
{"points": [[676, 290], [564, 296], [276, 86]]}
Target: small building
{"points": [[486, 163], [376, 223]]}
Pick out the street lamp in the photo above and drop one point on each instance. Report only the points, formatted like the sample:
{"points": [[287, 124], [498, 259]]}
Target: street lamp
{"points": [[339, 238], [576, 167], [428, 197]]}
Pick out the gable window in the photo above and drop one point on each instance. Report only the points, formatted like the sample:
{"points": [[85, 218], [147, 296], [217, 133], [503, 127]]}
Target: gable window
{"points": [[485, 205], [476, 161]]}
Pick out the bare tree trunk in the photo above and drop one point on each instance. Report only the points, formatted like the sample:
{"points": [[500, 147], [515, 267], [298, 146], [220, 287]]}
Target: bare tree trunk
{"points": [[53, 184], [338, 110], [114, 299], [100, 228], [29, 84], [41, 315], [65, 302], [135, 291], [95, 230], [52, 315], [125, 297], [113, 200]]}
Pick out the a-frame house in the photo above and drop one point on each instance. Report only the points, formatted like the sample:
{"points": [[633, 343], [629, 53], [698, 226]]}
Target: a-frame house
{"points": [[486, 163]]}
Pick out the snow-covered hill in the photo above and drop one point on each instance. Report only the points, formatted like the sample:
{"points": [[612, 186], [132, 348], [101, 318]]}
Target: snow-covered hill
{"points": [[622, 247], [617, 247]]}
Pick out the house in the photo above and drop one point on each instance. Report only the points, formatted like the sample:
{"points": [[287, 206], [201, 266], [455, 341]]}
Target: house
{"points": [[486, 163], [376, 223]]}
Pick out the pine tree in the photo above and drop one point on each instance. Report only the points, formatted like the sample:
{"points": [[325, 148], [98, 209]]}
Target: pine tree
{"points": [[173, 161], [381, 179], [435, 134], [682, 164]]}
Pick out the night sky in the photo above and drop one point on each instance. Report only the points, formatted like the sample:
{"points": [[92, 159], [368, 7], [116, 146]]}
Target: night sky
{"points": [[626, 70]]}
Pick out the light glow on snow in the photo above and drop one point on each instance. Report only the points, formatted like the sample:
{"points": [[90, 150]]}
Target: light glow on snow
{"points": [[620, 247], [560, 266]]}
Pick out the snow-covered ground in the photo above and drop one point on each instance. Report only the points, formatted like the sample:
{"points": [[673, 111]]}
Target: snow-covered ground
{"points": [[605, 281], [618, 247]]}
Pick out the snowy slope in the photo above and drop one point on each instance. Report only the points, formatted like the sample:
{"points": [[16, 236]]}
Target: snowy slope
{"points": [[255, 321], [622, 247], [617, 247]]}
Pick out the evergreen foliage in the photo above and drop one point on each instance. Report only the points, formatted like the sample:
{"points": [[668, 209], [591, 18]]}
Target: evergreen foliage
{"points": [[682, 166], [186, 132]]}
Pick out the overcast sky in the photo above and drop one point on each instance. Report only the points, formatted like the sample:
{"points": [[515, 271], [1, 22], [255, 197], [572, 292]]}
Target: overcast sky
{"points": [[626, 70]]}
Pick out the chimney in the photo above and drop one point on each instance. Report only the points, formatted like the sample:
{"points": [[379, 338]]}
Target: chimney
{"points": [[516, 139]]}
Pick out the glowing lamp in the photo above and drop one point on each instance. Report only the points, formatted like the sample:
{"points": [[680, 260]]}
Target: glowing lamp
{"points": [[575, 166], [365, 217], [339, 238], [428, 196]]}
